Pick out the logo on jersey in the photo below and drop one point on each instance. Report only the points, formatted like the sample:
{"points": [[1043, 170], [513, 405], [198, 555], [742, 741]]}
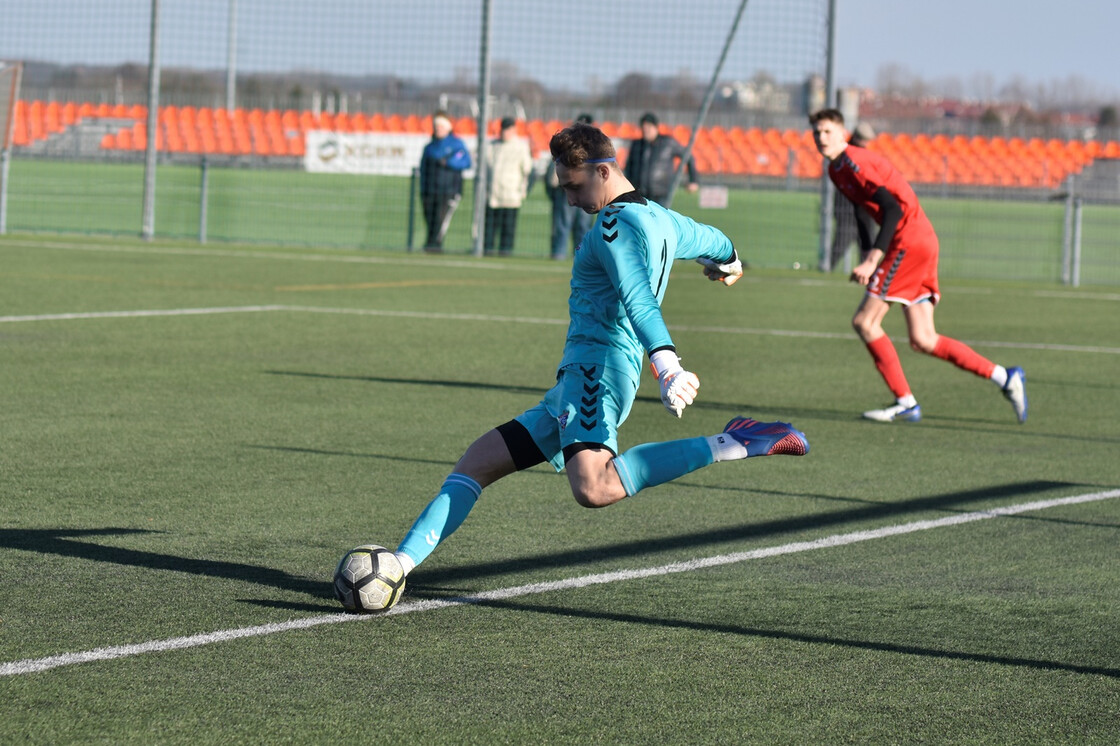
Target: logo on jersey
{"points": [[847, 162], [563, 420], [608, 224]]}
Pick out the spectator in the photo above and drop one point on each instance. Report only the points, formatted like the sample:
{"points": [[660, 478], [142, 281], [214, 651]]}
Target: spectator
{"points": [[847, 215], [441, 179], [650, 165], [568, 221], [509, 167]]}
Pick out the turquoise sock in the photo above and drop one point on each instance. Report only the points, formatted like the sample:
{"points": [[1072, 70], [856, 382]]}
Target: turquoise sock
{"points": [[445, 513], [652, 464]]}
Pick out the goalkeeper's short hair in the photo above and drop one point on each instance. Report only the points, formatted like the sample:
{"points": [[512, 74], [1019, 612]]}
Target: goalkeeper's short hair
{"points": [[581, 143]]}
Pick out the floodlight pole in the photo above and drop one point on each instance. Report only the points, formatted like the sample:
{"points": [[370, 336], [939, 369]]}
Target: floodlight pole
{"points": [[147, 230], [480, 174], [231, 58], [824, 253]]}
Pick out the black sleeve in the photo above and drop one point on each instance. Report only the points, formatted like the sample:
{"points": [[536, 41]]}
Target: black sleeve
{"points": [[865, 224], [630, 170], [892, 214], [690, 164]]}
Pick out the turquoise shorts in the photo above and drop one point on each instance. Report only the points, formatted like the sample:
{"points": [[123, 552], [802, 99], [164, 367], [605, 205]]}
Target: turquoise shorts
{"points": [[586, 405]]}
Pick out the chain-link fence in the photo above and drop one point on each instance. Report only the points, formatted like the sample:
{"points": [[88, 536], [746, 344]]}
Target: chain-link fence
{"points": [[282, 121]]}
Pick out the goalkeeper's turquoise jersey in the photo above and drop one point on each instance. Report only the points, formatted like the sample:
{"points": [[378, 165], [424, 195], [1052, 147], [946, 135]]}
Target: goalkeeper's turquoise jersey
{"points": [[618, 281]]}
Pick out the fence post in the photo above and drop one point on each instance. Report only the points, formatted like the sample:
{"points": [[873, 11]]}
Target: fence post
{"points": [[5, 160], [1075, 268], [203, 199], [412, 177], [1067, 231]]}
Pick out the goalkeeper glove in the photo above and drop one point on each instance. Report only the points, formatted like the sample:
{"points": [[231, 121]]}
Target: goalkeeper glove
{"points": [[727, 272], [678, 386]]}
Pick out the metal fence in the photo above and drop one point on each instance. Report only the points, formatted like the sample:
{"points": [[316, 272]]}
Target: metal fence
{"points": [[238, 85]]}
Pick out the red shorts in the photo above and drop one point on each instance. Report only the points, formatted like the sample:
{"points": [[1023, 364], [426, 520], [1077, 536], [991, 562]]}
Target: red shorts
{"points": [[908, 272]]}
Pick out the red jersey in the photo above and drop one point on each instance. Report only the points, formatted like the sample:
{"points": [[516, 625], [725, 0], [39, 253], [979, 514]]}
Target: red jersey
{"points": [[858, 173]]}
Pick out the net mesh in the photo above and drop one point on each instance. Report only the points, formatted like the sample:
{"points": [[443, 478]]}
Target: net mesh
{"points": [[358, 83]]}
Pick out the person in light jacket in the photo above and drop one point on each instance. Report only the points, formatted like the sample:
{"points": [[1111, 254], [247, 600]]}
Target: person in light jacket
{"points": [[510, 168]]}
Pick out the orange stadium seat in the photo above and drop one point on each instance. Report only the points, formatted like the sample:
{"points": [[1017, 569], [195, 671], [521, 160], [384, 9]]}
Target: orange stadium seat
{"points": [[52, 118], [20, 134], [394, 123], [69, 114], [626, 130], [359, 122]]}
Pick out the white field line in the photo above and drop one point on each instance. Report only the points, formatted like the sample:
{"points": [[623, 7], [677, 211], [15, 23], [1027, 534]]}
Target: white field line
{"points": [[35, 665], [137, 314], [509, 320]]}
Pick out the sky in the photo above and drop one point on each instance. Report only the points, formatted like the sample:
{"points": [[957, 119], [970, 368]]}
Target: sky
{"points": [[962, 38], [969, 40]]}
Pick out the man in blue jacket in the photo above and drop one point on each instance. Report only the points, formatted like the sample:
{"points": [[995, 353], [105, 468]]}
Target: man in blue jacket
{"points": [[441, 179]]}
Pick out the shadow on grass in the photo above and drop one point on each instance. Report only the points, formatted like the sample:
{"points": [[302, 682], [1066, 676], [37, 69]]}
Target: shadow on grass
{"points": [[733, 629], [76, 543], [953, 501], [438, 582]]}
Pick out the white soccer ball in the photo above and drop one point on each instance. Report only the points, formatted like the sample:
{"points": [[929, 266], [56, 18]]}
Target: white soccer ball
{"points": [[369, 578]]}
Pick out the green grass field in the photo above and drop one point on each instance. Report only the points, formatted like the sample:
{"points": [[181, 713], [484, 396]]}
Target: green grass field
{"points": [[980, 239], [194, 435]]}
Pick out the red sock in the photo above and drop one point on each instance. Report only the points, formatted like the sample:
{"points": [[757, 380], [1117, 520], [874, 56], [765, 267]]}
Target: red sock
{"points": [[963, 356], [886, 360]]}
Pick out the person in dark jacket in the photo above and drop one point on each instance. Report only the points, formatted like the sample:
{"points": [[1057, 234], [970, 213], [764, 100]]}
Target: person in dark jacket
{"points": [[441, 179], [569, 223], [653, 160]]}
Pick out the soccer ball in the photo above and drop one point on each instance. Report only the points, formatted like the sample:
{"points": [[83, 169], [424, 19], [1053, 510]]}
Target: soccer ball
{"points": [[369, 578]]}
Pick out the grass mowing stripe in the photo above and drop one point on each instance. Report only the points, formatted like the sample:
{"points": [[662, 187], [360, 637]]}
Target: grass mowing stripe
{"points": [[507, 320], [36, 665], [467, 262], [403, 261]]}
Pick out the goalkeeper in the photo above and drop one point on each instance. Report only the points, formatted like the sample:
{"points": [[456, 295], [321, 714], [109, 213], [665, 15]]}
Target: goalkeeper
{"points": [[618, 282]]}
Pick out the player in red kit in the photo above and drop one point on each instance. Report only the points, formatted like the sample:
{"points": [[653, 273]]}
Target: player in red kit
{"points": [[901, 267]]}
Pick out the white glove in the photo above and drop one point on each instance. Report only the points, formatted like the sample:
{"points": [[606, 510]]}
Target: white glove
{"points": [[678, 386], [728, 273]]}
